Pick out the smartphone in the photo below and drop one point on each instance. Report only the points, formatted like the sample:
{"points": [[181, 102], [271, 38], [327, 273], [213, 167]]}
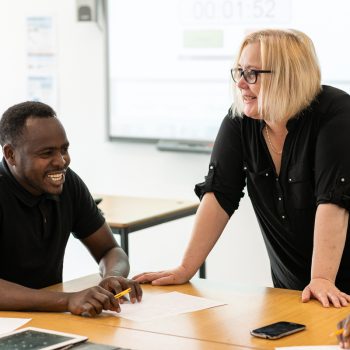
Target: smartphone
{"points": [[277, 330]]}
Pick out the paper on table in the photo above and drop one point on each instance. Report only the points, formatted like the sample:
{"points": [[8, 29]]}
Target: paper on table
{"points": [[164, 305], [8, 324], [312, 347]]}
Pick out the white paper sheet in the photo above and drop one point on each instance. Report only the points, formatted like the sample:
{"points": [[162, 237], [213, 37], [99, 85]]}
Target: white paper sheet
{"points": [[164, 305], [8, 324], [313, 347]]}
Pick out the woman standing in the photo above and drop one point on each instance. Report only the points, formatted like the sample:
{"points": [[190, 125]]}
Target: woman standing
{"points": [[286, 137]]}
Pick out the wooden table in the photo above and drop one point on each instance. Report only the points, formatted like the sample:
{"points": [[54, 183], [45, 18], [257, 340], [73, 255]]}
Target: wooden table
{"points": [[129, 214], [99, 332], [228, 325]]}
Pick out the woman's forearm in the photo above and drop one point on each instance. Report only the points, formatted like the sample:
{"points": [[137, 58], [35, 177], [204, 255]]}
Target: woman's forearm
{"points": [[331, 225], [210, 221]]}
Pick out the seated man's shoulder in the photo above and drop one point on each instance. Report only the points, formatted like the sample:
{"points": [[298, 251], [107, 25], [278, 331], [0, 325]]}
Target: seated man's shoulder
{"points": [[73, 183], [72, 177]]}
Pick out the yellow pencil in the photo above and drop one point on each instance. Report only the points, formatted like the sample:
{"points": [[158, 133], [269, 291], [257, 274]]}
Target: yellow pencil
{"points": [[337, 332], [126, 291]]}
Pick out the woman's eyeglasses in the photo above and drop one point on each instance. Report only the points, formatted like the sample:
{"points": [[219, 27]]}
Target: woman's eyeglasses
{"points": [[249, 75]]}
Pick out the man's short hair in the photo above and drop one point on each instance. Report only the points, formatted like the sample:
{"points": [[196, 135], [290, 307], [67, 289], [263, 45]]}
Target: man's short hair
{"points": [[14, 119]]}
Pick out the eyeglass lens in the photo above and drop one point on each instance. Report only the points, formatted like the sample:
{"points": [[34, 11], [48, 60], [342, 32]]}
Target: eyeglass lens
{"points": [[250, 76]]}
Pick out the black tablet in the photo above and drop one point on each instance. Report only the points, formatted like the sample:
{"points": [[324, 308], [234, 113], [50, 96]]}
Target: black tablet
{"points": [[31, 338]]}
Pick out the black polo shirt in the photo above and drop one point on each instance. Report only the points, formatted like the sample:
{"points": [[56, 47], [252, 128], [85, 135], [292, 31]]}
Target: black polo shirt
{"points": [[315, 169], [34, 230]]}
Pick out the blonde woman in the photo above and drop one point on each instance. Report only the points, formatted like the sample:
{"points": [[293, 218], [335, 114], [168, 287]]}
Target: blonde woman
{"points": [[286, 137]]}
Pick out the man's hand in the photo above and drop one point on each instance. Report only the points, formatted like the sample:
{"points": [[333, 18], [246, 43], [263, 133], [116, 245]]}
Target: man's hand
{"points": [[325, 292], [344, 338], [91, 302], [116, 284], [161, 278]]}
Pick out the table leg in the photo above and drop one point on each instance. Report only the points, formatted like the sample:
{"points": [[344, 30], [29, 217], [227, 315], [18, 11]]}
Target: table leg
{"points": [[202, 273], [124, 243], [124, 239]]}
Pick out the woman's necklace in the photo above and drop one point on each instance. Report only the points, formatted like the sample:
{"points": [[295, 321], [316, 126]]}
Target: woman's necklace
{"points": [[269, 141]]}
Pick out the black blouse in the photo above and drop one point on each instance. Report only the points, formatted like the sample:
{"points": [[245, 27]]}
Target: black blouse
{"points": [[315, 169]]}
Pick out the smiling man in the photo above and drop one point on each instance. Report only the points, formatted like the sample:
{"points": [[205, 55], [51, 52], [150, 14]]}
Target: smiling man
{"points": [[42, 201]]}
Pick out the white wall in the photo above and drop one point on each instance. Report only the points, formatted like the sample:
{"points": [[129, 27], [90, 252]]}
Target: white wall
{"points": [[120, 168]]}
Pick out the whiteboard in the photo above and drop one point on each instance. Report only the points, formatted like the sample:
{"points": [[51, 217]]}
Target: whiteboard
{"points": [[169, 60]]}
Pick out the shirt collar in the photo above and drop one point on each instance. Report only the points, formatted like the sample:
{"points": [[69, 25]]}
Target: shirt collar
{"points": [[292, 123], [21, 193]]}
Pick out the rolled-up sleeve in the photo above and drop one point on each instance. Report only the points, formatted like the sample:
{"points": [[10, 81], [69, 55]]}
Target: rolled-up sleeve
{"points": [[226, 177], [332, 160]]}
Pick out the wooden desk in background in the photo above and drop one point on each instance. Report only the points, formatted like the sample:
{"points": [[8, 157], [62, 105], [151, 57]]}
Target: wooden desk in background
{"points": [[129, 214], [223, 327]]}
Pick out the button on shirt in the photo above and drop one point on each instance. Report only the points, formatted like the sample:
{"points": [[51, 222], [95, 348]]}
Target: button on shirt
{"points": [[34, 230], [315, 169]]}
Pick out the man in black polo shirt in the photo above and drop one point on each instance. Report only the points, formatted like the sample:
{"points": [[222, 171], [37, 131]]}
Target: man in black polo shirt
{"points": [[41, 202]]}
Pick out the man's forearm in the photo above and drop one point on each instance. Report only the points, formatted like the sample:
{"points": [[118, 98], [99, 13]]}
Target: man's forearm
{"points": [[114, 263], [16, 297], [331, 225]]}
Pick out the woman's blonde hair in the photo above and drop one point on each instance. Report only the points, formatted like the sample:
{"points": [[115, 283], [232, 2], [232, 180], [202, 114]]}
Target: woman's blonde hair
{"points": [[295, 79]]}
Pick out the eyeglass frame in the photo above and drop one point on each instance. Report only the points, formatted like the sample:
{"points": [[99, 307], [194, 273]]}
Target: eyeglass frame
{"points": [[242, 74]]}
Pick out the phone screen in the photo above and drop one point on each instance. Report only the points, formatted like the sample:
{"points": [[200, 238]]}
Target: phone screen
{"points": [[277, 330]]}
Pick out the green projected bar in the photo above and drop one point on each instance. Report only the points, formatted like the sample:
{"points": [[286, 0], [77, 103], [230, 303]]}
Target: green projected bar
{"points": [[203, 39]]}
